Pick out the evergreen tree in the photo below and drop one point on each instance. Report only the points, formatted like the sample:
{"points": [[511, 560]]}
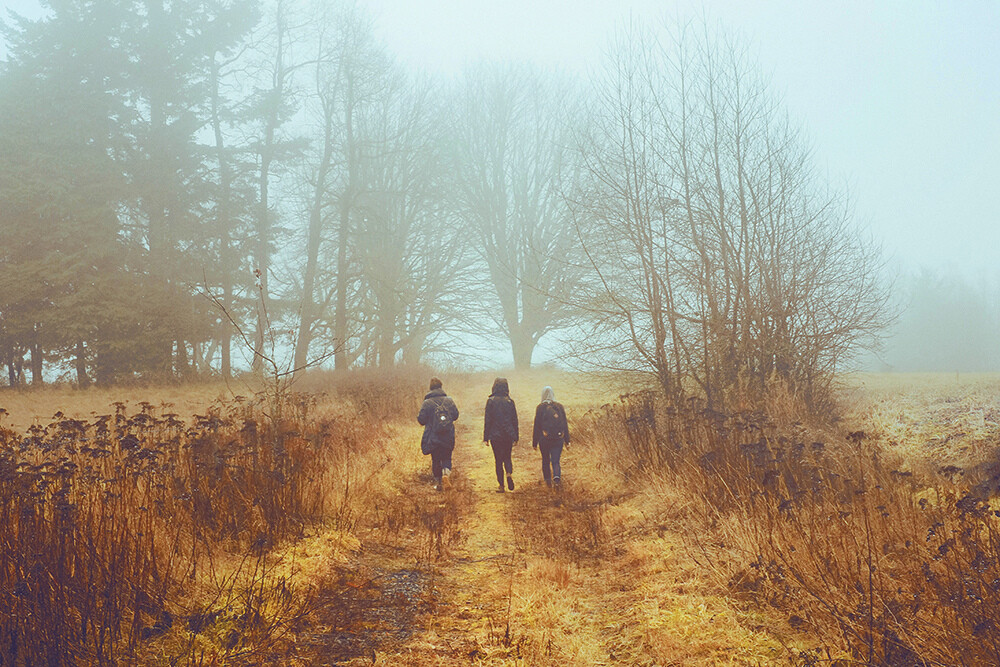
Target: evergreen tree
{"points": [[61, 252], [111, 213]]}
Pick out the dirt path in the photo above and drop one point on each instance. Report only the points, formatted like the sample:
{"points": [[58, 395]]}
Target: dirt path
{"points": [[496, 591], [529, 577]]}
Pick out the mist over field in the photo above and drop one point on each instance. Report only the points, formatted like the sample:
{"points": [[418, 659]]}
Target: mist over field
{"points": [[270, 268]]}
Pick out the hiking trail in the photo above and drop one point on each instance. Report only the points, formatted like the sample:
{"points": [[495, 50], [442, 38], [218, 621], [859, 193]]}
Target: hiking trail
{"points": [[536, 576]]}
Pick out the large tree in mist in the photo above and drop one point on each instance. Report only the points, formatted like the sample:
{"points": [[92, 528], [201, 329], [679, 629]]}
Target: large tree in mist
{"points": [[172, 49], [70, 284], [351, 73], [725, 260], [409, 247], [274, 145], [381, 249], [513, 163], [230, 206], [60, 252]]}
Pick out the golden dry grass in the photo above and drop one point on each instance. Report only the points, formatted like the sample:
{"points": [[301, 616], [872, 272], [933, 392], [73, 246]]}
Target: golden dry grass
{"points": [[598, 574], [933, 419], [586, 576], [38, 405], [830, 525]]}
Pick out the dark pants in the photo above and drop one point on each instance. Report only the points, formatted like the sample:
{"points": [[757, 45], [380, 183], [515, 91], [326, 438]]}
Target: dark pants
{"points": [[501, 454], [550, 455], [440, 459]]}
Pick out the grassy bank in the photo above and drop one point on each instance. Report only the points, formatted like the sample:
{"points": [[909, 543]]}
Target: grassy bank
{"points": [[863, 546]]}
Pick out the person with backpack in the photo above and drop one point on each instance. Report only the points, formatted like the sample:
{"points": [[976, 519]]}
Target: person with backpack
{"points": [[500, 430], [550, 433], [437, 415]]}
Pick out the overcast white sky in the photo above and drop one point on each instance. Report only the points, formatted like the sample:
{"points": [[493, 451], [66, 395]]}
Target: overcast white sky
{"points": [[901, 98]]}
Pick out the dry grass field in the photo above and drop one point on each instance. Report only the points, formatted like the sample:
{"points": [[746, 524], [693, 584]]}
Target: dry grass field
{"points": [[37, 406], [680, 537], [939, 418]]}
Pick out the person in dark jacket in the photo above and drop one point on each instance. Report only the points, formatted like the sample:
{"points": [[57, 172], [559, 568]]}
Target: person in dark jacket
{"points": [[438, 414], [550, 433], [500, 430]]}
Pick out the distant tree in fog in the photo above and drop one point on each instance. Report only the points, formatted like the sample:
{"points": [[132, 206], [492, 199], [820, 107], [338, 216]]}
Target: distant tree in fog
{"points": [[353, 74], [381, 251], [264, 121], [947, 324], [409, 246], [171, 48], [231, 203], [61, 256], [350, 71], [725, 261], [513, 131]]}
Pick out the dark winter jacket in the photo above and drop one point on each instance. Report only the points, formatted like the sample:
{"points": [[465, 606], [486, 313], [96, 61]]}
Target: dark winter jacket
{"points": [[437, 437], [551, 440], [501, 415]]}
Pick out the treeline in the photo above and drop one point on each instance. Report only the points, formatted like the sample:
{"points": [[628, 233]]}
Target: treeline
{"points": [[179, 176], [184, 182], [948, 324]]}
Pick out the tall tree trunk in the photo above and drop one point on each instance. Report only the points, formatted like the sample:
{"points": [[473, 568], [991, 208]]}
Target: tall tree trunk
{"points": [[82, 379], [523, 347], [36, 365], [156, 209], [263, 241], [225, 225], [183, 365], [413, 351], [263, 251], [340, 316], [105, 369], [308, 311], [386, 339], [226, 339]]}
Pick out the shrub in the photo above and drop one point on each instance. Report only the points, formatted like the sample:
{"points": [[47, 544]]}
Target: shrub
{"points": [[892, 569], [106, 525]]}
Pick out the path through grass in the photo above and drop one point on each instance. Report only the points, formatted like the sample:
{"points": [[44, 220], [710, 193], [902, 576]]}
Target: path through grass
{"points": [[589, 575]]}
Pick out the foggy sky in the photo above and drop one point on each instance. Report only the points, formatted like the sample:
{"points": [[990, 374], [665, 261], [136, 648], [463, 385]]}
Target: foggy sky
{"points": [[900, 99]]}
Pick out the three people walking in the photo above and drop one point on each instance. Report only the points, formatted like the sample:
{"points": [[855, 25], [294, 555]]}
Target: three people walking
{"points": [[550, 432]]}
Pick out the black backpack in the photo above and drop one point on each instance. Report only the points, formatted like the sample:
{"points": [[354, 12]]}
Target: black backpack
{"points": [[441, 420], [551, 422]]}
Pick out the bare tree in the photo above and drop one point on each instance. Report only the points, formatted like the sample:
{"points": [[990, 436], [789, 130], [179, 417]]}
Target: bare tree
{"points": [[724, 260], [352, 76], [230, 203], [322, 173], [363, 80], [513, 163], [409, 249]]}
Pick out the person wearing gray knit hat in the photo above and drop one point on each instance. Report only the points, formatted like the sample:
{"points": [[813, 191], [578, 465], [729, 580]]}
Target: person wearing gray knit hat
{"points": [[550, 434]]}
